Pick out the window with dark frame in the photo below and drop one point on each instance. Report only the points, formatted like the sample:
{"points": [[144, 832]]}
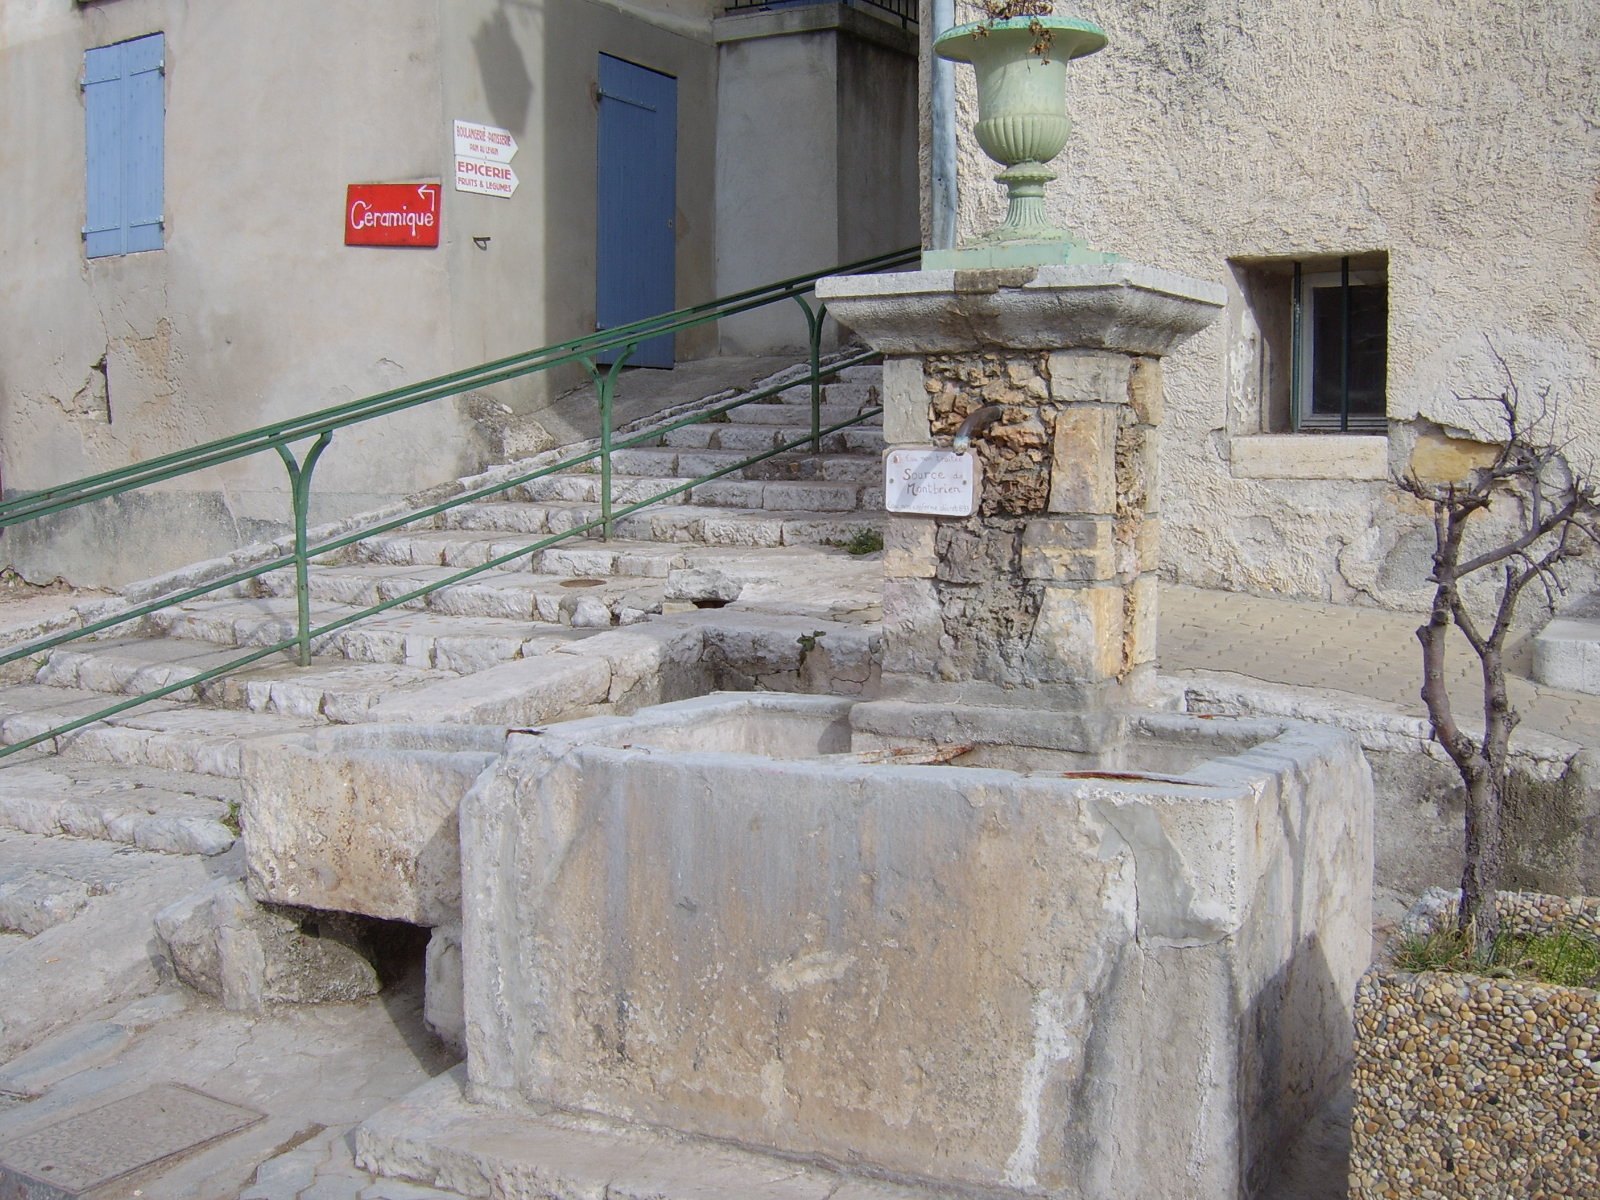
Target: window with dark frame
{"points": [[1321, 341]]}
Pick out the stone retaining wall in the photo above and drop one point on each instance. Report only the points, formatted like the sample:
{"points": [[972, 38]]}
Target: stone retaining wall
{"points": [[1467, 1086]]}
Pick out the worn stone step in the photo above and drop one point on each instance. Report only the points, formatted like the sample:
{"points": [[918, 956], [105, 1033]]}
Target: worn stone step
{"points": [[45, 881], [859, 468], [681, 523], [409, 637], [160, 733], [130, 666], [756, 439], [642, 460], [94, 949], [785, 415], [857, 391], [577, 601], [171, 812], [429, 547], [331, 688], [625, 489], [465, 548], [782, 495], [435, 1135]]}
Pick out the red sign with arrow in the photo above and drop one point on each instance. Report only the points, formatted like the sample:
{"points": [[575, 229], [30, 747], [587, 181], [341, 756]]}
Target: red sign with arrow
{"points": [[391, 214]]}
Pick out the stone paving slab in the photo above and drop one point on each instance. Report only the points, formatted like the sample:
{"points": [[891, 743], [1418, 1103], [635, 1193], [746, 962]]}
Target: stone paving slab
{"points": [[313, 1071]]}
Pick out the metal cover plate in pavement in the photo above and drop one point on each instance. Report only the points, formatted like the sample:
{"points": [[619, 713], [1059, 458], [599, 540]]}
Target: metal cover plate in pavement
{"points": [[77, 1154]]}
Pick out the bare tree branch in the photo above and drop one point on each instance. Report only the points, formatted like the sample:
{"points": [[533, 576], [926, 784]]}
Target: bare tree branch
{"points": [[1548, 513]]}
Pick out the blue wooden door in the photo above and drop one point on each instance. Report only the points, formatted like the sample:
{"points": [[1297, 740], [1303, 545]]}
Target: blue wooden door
{"points": [[635, 258]]}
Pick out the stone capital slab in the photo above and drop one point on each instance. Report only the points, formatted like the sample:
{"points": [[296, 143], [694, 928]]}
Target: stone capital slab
{"points": [[1118, 306]]}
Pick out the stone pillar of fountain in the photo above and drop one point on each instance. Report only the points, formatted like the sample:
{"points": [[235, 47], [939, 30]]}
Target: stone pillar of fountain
{"points": [[1045, 595]]}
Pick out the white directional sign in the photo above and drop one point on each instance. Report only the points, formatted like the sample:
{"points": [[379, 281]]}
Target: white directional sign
{"points": [[485, 142], [936, 483], [487, 178], [483, 159]]}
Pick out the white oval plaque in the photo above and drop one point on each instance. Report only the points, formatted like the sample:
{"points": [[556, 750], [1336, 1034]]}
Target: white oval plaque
{"points": [[936, 483]]}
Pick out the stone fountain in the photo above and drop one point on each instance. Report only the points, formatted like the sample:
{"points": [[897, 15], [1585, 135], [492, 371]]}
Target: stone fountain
{"points": [[1009, 929]]}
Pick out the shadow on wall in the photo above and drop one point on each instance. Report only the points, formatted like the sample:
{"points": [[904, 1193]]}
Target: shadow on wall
{"points": [[507, 86], [1271, 1034]]}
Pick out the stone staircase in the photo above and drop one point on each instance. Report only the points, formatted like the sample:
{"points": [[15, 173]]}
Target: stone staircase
{"points": [[134, 812]]}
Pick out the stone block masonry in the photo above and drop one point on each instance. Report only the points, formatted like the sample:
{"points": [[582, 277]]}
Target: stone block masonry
{"points": [[1048, 590]]}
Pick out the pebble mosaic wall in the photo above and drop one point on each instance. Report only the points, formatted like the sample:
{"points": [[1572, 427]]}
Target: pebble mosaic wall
{"points": [[1468, 1088]]}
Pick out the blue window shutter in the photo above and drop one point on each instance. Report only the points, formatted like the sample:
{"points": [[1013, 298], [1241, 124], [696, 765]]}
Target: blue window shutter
{"points": [[125, 107]]}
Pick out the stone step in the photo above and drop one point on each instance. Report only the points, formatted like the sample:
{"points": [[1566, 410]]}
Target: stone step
{"points": [[330, 688], [757, 439], [696, 464], [45, 881], [159, 733], [762, 493], [625, 489], [784, 414], [576, 601], [857, 391], [400, 636], [436, 1136], [93, 905], [675, 523], [170, 812]]}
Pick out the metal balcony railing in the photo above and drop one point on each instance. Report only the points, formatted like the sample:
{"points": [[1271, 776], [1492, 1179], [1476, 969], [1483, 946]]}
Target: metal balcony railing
{"points": [[902, 11]]}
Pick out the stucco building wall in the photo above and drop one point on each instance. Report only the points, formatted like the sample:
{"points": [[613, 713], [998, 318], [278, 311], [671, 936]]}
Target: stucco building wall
{"points": [[254, 310], [1462, 142]]}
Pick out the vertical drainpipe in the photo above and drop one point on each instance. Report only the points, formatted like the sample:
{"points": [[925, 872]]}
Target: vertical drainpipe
{"points": [[942, 151]]}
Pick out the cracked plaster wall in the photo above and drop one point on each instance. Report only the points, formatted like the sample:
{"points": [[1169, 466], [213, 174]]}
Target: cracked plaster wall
{"points": [[1462, 140]]}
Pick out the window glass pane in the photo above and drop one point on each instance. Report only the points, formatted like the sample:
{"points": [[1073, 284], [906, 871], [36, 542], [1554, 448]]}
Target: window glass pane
{"points": [[1369, 319]]}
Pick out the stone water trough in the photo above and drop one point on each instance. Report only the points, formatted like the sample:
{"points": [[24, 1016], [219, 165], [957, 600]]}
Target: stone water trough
{"points": [[806, 926]]}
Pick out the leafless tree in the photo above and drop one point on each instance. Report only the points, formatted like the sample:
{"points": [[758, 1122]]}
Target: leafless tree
{"points": [[1546, 513]]}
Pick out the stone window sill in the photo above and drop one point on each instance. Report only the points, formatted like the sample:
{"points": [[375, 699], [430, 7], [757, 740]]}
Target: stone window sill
{"points": [[1310, 456]]}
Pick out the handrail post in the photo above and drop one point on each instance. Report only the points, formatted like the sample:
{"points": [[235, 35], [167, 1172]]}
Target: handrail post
{"points": [[300, 496], [814, 344], [606, 391]]}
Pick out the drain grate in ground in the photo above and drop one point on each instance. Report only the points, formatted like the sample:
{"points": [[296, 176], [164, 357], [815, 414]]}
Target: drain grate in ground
{"points": [[76, 1154]]}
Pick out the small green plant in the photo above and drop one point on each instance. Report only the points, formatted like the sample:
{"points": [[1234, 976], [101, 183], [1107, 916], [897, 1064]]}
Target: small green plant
{"points": [[809, 641], [862, 541], [230, 820], [1564, 958]]}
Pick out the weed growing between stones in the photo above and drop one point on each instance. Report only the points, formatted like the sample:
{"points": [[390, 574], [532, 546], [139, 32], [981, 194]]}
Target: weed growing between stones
{"points": [[1564, 958], [862, 541]]}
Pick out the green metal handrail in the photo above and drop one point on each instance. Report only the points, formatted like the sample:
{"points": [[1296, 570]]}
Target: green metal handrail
{"points": [[322, 425], [585, 350]]}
